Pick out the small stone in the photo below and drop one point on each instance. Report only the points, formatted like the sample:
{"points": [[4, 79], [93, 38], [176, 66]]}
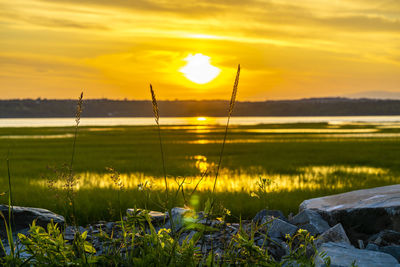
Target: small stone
{"points": [[360, 244], [378, 241], [372, 246], [311, 229], [180, 217], [264, 216], [278, 228], [385, 238], [156, 217], [69, 233], [109, 225], [233, 230], [335, 234], [311, 221]]}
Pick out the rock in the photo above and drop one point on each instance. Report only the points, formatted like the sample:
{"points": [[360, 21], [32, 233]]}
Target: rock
{"points": [[344, 255], [110, 226], [156, 217], [392, 250], [336, 234], [278, 250], [69, 232], [311, 221], [278, 228], [363, 211], [372, 246], [180, 217], [385, 238], [24, 216], [264, 216], [360, 244]]}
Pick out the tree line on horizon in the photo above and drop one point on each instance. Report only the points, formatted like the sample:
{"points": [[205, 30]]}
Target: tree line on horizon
{"points": [[43, 108]]}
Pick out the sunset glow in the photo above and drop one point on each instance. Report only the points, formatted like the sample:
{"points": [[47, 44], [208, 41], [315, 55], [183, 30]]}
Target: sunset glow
{"points": [[114, 49]]}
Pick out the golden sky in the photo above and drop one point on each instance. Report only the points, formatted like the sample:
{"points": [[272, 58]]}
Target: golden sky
{"points": [[115, 48]]}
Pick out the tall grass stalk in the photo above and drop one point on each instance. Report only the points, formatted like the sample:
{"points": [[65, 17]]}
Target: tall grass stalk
{"points": [[77, 121], [115, 177], [209, 205], [168, 205], [231, 106], [157, 119], [10, 197], [10, 210], [71, 180]]}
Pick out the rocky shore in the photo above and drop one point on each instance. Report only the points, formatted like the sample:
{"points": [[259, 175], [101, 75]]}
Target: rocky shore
{"points": [[360, 227]]}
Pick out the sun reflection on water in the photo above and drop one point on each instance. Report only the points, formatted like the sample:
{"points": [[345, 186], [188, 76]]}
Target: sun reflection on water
{"points": [[307, 178]]}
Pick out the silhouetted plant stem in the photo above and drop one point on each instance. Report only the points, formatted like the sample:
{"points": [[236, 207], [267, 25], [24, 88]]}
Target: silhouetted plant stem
{"points": [[71, 181], [77, 121], [231, 106], [10, 197], [157, 118], [10, 207]]}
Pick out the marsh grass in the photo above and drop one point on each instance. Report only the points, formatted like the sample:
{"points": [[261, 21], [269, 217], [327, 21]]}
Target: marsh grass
{"points": [[66, 175], [116, 179], [8, 224], [157, 119]]}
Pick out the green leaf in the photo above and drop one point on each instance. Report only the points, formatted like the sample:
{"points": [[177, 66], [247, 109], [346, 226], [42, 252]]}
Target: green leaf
{"points": [[207, 206], [200, 227], [84, 235], [89, 248]]}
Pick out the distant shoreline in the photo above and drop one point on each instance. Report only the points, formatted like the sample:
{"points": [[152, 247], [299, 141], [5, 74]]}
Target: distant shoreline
{"points": [[100, 108]]}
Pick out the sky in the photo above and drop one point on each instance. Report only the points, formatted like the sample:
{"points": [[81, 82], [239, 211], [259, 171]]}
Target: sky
{"points": [[114, 49]]}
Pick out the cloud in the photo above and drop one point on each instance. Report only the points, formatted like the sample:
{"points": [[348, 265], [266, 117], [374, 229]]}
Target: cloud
{"points": [[47, 21], [348, 14], [294, 47]]}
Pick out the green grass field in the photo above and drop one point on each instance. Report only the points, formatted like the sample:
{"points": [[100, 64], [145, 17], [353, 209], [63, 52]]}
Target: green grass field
{"points": [[302, 161]]}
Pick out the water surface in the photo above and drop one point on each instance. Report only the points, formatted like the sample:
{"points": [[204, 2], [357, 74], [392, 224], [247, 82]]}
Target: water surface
{"points": [[58, 122]]}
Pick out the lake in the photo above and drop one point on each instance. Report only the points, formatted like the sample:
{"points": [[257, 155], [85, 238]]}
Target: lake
{"points": [[63, 122]]}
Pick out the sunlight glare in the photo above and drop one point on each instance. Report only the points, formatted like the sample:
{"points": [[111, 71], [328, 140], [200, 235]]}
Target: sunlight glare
{"points": [[201, 119], [198, 69]]}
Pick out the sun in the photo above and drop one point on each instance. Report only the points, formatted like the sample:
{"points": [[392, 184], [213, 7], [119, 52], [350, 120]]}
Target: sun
{"points": [[198, 69]]}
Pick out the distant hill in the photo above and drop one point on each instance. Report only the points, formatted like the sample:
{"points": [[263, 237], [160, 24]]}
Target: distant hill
{"points": [[41, 108], [375, 95]]}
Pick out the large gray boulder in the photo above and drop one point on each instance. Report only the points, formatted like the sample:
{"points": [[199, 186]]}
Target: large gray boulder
{"points": [[23, 217], [365, 211], [392, 250], [343, 255]]}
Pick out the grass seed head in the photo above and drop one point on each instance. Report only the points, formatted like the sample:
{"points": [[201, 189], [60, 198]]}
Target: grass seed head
{"points": [[155, 106], [79, 109], [234, 91]]}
